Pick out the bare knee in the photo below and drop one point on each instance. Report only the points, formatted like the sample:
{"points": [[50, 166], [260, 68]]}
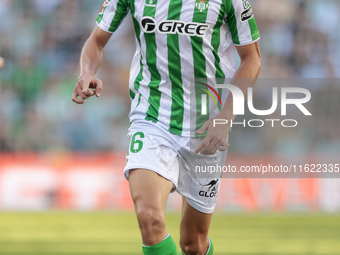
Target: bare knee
{"points": [[149, 193], [151, 221], [194, 246]]}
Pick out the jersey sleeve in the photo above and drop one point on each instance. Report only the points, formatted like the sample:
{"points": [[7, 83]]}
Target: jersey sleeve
{"points": [[112, 14], [241, 22]]}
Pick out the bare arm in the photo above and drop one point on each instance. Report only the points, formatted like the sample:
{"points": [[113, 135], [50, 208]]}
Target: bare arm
{"points": [[216, 138], [90, 61], [245, 76]]}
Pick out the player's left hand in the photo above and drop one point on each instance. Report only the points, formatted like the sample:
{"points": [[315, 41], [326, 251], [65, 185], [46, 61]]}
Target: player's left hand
{"points": [[216, 138]]}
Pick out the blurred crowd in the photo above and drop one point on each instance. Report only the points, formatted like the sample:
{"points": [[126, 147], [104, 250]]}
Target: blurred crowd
{"points": [[42, 40]]}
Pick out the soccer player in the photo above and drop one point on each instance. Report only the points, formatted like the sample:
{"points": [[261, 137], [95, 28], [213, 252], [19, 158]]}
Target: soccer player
{"points": [[177, 42]]}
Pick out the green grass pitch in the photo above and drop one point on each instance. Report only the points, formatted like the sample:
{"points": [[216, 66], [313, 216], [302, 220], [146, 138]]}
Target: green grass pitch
{"points": [[71, 233]]}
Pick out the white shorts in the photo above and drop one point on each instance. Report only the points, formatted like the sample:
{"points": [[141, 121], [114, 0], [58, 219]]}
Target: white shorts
{"points": [[155, 148]]}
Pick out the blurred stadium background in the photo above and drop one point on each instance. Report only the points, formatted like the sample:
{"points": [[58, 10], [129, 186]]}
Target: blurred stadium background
{"points": [[57, 157]]}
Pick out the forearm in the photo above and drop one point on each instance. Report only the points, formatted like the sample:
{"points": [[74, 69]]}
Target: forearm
{"points": [[91, 57], [245, 78]]}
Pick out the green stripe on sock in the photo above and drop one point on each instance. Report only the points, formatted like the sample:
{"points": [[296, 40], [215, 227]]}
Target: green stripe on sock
{"points": [[166, 247]]}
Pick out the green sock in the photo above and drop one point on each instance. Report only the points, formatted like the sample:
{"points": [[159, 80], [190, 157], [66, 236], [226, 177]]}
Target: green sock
{"points": [[210, 250], [166, 247]]}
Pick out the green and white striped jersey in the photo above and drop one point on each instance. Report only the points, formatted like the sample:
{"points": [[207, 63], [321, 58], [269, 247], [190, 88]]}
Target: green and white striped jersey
{"points": [[178, 41]]}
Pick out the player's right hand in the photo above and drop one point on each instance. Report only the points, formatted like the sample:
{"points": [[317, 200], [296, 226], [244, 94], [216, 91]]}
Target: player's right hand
{"points": [[87, 86]]}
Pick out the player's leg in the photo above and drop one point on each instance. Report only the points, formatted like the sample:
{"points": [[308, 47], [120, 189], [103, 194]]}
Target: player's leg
{"points": [[194, 231], [152, 170], [200, 192], [149, 193]]}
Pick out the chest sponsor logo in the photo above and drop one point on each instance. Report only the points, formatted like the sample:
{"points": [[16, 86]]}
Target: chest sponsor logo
{"points": [[149, 25], [202, 5], [247, 14]]}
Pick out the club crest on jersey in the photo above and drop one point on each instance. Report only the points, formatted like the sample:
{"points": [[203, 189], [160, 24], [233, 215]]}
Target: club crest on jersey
{"points": [[106, 3], [151, 3], [246, 4], [202, 5]]}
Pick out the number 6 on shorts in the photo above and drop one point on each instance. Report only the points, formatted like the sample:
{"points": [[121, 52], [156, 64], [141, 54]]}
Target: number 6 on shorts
{"points": [[136, 143]]}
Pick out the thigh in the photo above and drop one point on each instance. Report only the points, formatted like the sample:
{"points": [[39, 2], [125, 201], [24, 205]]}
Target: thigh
{"points": [[200, 175], [151, 149], [194, 226], [149, 189]]}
